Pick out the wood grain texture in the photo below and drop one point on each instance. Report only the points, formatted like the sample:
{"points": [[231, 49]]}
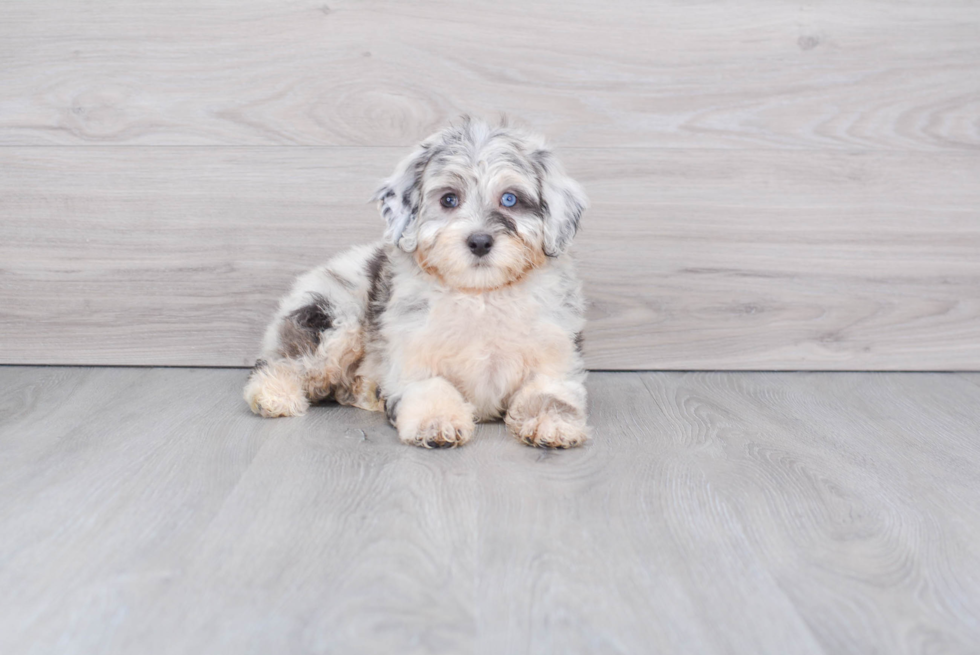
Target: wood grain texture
{"points": [[720, 74], [691, 259], [776, 185], [147, 511]]}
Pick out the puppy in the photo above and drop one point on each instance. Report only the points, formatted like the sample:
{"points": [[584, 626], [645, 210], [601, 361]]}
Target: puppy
{"points": [[468, 311]]}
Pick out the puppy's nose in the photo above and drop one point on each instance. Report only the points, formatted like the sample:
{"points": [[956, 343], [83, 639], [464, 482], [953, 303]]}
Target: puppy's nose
{"points": [[480, 243]]}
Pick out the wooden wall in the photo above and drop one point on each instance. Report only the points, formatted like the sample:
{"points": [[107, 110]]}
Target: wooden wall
{"points": [[775, 185]]}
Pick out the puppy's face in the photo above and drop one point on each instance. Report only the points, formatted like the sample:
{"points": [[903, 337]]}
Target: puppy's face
{"points": [[481, 206], [479, 223]]}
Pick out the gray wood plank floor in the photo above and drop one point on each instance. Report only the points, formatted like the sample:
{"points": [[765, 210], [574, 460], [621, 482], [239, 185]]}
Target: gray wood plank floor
{"points": [[145, 510]]}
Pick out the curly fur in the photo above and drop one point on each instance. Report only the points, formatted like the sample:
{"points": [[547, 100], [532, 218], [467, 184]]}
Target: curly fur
{"points": [[421, 327]]}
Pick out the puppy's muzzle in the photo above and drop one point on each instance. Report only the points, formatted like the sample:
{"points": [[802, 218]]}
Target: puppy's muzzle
{"points": [[480, 243]]}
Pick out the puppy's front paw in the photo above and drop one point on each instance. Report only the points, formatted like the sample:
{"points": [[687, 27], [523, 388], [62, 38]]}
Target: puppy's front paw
{"points": [[549, 430], [432, 414], [437, 432]]}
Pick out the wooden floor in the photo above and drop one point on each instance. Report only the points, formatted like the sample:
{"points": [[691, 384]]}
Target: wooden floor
{"points": [[147, 511]]}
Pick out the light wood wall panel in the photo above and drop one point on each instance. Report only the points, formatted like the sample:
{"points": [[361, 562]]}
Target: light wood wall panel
{"points": [[692, 258], [838, 74], [776, 184]]}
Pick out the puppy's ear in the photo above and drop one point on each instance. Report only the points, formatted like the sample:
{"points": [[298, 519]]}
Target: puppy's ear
{"points": [[562, 203], [399, 198]]}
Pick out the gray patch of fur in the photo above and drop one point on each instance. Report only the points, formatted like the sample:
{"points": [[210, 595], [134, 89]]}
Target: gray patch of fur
{"points": [[299, 333], [391, 408], [379, 293]]}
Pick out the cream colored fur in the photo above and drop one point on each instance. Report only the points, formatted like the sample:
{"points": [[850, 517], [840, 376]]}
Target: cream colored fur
{"points": [[427, 329], [277, 391], [434, 413]]}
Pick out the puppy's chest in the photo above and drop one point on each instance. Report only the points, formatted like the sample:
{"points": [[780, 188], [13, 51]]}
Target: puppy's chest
{"points": [[486, 345]]}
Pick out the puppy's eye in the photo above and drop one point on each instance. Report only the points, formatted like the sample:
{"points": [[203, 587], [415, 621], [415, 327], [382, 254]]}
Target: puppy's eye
{"points": [[449, 200], [508, 200]]}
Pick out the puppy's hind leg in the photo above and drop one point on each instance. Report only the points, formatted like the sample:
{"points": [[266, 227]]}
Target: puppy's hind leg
{"points": [[333, 370], [313, 348], [312, 360], [289, 375]]}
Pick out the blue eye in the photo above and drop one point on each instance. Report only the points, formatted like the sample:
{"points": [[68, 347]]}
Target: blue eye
{"points": [[508, 200], [449, 200]]}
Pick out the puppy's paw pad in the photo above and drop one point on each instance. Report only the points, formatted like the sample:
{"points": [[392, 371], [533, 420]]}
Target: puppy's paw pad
{"points": [[549, 431], [440, 433]]}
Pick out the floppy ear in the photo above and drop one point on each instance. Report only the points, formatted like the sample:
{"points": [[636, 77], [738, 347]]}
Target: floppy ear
{"points": [[399, 197], [562, 203]]}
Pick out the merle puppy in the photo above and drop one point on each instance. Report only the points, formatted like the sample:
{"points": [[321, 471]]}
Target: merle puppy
{"points": [[468, 311]]}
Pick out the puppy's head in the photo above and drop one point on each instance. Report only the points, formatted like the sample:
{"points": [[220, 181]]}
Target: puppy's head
{"points": [[480, 206]]}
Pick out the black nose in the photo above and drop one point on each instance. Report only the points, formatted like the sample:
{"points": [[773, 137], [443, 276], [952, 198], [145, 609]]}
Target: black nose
{"points": [[480, 243]]}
